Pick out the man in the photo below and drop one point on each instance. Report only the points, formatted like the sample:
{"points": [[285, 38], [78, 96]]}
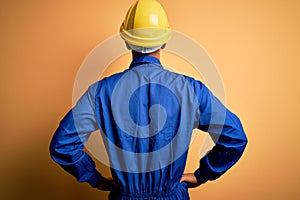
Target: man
{"points": [[146, 115]]}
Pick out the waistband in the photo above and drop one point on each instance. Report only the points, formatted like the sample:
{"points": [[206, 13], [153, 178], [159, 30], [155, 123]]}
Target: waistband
{"points": [[180, 192]]}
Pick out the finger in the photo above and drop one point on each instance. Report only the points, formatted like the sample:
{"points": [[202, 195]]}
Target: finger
{"points": [[182, 180], [114, 185]]}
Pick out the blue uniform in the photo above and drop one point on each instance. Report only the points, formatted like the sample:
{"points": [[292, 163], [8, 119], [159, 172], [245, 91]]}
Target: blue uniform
{"points": [[146, 115]]}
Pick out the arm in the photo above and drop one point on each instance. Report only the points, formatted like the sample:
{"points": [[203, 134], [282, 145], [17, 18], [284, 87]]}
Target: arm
{"points": [[66, 147], [227, 132]]}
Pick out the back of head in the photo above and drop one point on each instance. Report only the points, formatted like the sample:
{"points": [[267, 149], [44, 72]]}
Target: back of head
{"points": [[145, 28]]}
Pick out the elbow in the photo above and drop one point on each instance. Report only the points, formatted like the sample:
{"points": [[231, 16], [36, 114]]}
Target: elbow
{"points": [[53, 151], [241, 135], [244, 140], [58, 149]]}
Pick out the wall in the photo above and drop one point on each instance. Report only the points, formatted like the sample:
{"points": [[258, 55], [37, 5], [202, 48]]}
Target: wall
{"points": [[255, 45]]}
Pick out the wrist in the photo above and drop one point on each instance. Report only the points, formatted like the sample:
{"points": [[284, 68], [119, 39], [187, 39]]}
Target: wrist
{"points": [[199, 177], [95, 180]]}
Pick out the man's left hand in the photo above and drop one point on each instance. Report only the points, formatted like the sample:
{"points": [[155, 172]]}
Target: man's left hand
{"points": [[190, 179], [108, 184]]}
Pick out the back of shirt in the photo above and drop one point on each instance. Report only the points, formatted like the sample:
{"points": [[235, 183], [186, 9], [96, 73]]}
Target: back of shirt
{"points": [[146, 116]]}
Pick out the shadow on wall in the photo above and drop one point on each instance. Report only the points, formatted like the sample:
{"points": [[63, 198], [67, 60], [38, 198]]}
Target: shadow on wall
{"points": [[34, 176]]}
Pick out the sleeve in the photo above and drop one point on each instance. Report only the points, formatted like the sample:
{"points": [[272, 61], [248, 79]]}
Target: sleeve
{"points": [[226, 131], [66, 146]]}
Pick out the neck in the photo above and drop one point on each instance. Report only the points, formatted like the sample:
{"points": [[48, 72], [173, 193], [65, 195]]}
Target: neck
{"points": [[155, 54]]}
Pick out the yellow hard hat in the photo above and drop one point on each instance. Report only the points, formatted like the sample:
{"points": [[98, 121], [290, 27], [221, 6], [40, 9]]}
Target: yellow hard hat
{"points": [[146, 24]]}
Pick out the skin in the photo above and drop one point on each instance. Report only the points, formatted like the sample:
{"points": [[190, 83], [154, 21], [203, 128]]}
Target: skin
{"points": [[109, 184], [190, 179]]}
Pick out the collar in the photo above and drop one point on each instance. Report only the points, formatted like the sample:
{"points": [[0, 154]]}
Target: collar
{"points": [[144, 60]]}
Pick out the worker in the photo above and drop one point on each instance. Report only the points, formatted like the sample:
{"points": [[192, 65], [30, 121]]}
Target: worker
{"points": [[146, 115]]}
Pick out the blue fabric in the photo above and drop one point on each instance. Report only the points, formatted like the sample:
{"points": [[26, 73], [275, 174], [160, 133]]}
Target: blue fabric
{"points": [[146, 115]]}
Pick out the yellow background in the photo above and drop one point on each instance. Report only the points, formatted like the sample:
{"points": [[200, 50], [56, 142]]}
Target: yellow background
{"points": [[255, 45]]}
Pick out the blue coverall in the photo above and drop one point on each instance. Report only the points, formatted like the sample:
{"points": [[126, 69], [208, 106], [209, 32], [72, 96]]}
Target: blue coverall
{"points": [[146, 115]]}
